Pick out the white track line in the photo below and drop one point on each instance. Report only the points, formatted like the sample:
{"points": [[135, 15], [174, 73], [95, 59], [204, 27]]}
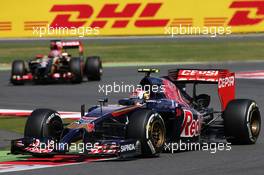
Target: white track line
{"points": [[4, 168], [258, 74], [24, 113], [9, 167]]}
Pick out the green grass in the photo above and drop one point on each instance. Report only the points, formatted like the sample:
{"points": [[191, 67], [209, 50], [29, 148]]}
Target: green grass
{"points": [[13, 124], [4, 156], [17, 124], [161, 51]]}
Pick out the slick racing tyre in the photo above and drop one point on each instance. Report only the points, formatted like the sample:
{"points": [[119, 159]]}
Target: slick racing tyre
{"points": [[18, 69], [148, 127], [242, 121], [93, 68], [76, 70], [44, 123]]}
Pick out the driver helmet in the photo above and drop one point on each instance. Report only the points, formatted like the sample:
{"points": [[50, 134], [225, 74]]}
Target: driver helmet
{"points": [[53, 45], [55, 49]]}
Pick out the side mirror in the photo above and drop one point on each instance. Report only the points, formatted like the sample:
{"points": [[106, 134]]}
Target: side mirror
{"points": [[103, 101], [203, 100]]}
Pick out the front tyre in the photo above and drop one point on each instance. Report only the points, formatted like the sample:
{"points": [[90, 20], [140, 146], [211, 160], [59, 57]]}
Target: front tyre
{"points": [[242, 121], [18, 70], [148, 127], [44, 123]]}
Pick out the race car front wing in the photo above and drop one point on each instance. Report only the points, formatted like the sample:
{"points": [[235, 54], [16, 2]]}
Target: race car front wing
{"points": [[46, 147]]}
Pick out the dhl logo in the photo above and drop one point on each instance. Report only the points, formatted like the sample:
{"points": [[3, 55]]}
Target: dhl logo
{"points": [[247, 9], [131, 16], [108, 11]]}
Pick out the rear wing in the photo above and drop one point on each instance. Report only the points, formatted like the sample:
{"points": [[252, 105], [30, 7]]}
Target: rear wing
{"points": [[224, 78], [71, 45]]}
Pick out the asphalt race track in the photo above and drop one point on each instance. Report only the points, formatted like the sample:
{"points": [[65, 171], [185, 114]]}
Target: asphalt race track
{"points": [[240, 160]]}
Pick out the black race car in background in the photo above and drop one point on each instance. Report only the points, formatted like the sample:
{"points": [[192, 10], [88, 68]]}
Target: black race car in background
{"points": [[58, 65], [143, 123]]}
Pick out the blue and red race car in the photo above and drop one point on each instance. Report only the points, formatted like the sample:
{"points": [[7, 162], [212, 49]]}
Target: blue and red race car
{"points": [[151, 118], [58, 65]]}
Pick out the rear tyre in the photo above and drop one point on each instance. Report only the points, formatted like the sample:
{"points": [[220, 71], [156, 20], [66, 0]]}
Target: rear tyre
{"points": [[76, 70], [148, 127], [44, 123], [18, 69], [242, 121], [93, 68]]}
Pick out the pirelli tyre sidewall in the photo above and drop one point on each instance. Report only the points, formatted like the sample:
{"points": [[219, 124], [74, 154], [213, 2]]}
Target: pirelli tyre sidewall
{"points": [[242, 121], [18, 69], [148, 127], [44, 123]]}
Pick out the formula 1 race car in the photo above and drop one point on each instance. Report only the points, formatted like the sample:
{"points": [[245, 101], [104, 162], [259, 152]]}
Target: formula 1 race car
{"points": [[58, 65], [161, 112]]}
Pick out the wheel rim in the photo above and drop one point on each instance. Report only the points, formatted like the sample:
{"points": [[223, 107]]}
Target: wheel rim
{"points": [[156, 133], [254, 124], [55, 128]]}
